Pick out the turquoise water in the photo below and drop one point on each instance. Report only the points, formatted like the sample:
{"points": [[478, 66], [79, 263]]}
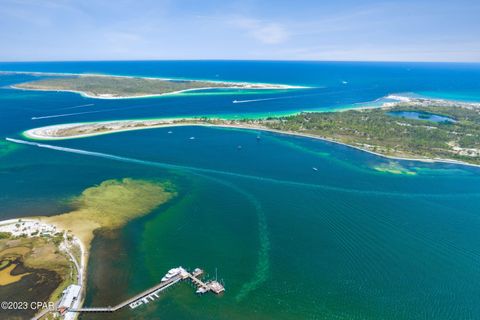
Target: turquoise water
{"points": [[331, 85], [343, 242], [462, 96], [421, 116]]}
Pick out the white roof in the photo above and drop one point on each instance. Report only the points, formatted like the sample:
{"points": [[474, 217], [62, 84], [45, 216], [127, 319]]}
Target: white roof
{"points": [[69, 295]]}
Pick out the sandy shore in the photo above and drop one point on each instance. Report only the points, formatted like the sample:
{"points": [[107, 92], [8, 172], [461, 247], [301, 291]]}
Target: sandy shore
{"points": [[9, 226], [277, 85], [109, 97], [57, 132], [227, 85]]}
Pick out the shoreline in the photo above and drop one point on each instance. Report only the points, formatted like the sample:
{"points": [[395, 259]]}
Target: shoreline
{"points": [[86, 95], [81, 265], [43, 135], [228, 85], [109, 205], [281, 86]]}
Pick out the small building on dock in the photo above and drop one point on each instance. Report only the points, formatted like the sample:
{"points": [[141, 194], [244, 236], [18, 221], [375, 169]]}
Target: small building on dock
{"points": [[216, 286], [70, 295], [172, 277]]}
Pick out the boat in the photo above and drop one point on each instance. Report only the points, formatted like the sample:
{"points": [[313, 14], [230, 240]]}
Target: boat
{"points": [[216, 286], [173, 271], [314, 169], [192, 138], [197, 272], [201, 290], [170, 274], [167, 277], [169, 131]]}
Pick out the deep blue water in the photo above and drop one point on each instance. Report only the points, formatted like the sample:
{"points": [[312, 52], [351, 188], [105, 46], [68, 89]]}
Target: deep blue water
{"points": [[332, 85], [347, 241]]}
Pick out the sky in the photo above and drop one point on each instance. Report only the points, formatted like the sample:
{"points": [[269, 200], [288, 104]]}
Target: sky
{"points": [[353, 30]]}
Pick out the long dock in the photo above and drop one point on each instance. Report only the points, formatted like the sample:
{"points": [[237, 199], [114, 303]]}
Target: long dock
{"points": [[147, 294], [174, 276]]}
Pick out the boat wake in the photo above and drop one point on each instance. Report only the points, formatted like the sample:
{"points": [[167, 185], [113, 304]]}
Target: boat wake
{"points": [[314, 94], [68, 114], [197, 170], [76, 107], [262, 268], [263, 263], [256, 100]]}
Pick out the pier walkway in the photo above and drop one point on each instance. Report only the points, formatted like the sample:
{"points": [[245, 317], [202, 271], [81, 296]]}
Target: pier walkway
{"points": [[174, 276]]}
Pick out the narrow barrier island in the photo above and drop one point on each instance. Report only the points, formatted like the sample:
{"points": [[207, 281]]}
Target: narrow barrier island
{"points": [[118, 87], [418, 129]]}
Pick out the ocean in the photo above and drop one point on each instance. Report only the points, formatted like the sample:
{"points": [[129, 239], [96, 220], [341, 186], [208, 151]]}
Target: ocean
{"points": [[345, 241]]}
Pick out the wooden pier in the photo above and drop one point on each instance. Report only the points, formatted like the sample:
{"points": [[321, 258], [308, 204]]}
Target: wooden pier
{"points": [[172, 277], [204, 287]]}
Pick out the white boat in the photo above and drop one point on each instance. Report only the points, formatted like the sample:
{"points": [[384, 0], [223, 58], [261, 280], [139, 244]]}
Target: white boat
{"points": [[314, 169], [167, 277], [173, 271], [170, 274], [201, 290], [192, 138]]}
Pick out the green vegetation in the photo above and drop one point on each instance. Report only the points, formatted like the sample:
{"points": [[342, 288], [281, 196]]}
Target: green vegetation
{"points": [[111, 205], [107, 206], [34, 253], [379, 130], [70, 278], [4, 263], [105, 86], [375, 130], [5, 235]]}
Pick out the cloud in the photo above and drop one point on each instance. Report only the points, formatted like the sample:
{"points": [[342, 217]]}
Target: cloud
{"points": [[265, 32]]}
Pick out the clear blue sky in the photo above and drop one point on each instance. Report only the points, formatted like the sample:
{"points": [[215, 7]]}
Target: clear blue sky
{"points": [[396, 30]]}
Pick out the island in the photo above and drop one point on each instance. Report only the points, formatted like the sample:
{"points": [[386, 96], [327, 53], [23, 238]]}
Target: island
{"points": [[44, 259], [414, 128], [121, 87]]}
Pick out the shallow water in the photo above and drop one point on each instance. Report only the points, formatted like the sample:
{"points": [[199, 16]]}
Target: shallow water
{"points": [[344, 242]]}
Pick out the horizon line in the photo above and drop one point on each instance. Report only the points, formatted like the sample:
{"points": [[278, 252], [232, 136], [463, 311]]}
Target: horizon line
{"points": [[242, 60]]}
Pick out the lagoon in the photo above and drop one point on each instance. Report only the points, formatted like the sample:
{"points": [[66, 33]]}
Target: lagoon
{"points": [[422, 116], [347, 241]]}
